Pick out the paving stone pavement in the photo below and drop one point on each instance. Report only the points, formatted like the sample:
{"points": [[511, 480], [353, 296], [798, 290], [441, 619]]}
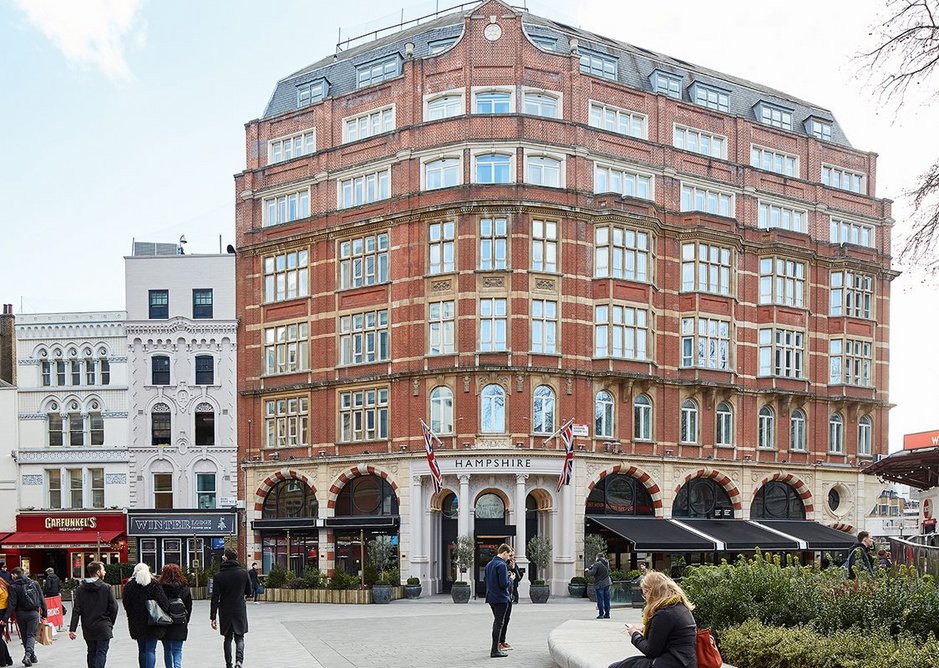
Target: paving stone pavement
{"points": [[431, 631]]}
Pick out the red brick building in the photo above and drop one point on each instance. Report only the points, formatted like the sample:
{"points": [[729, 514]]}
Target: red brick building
{"points": [[496, 223]]}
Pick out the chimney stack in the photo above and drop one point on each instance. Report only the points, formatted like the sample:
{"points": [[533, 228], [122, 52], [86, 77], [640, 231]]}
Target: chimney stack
{"points": [[7, 345]]}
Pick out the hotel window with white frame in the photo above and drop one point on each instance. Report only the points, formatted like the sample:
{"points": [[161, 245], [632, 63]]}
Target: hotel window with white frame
{"points": [[774, 161], [441, 410], [622, 253], [665, 83], [46, 373], [604, 412], [364, 338], [441, 323], [597, 64], [818, 129], [97, 487], [76, 430], [698, 141], [782, 217], [493, 168], [688, 431], [311, 93], [621, 332], [851, 295], [543, 410], [286, 276], [766, 432], [781, 352], [54, 487], [864, 436], [161, 425], [710, 97], [493, 102], [363, 415], [493, 323], [608, 179], [444, 106], [541, 104], [365, 188], [622, 121], [850, 362], [850, 232], [777, 117], [797, 430], [705, 268], [724, 427], [363, 261], [544, 326], [287, 148], [836, 434], [440, 247], [96, 428], [286, 348], [542, 170], [377, 71], [544, 245], [368, 124], [493, 243], [642, 418], [705, 343], [287, 422], [442, 173], [492, 410], [782, 282], [696, 198], [843, 179], [286, 208], [56, 430], [205, 491]]}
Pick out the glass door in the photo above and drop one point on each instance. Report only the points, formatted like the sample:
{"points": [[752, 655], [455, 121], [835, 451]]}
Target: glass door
{"points": [[485, 550]]}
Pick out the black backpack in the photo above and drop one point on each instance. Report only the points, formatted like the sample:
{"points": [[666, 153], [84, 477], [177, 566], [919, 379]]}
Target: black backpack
{"points": [[29, 599], [177, 611]]}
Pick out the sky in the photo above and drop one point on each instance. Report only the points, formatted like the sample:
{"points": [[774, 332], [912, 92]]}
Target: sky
{"points": [[124, 119]]}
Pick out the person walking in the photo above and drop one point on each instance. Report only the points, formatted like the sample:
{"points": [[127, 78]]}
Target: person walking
{"points": [[669, 636], [859, 557], [96, 608], [600, 572], [53, 587], [27, 603], [142, 587], [5, 574], [255, 581], [498, 596], [175, 586], [513, 569], [5, 658], [229, 587]]}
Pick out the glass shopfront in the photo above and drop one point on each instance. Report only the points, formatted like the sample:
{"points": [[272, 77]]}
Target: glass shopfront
{"points": [[194, 539], [289, 527]]}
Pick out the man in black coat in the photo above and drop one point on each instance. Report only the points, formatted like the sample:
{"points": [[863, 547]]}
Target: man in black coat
{"points": [[860, 555], [229, 587], [96, 607], [27, 603], [499, 597]]}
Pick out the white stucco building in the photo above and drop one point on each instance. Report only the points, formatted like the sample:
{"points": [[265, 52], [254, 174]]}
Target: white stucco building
{"points": [[8, 445]]}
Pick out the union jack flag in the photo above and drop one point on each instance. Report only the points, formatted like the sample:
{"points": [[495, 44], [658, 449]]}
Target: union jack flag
{"points": [[429, 438], [567, 438]]}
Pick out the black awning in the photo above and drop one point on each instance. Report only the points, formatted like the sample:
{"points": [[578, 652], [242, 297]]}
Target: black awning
{"points": [[652, 534], [817, 536], [918, 468], [366, 522], [740, 535], [283, 524]]}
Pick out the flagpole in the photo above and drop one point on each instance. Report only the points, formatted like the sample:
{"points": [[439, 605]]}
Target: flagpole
{"points": [[559, 430]]}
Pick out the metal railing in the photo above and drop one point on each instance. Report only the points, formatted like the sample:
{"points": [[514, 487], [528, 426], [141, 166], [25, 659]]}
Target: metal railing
{"points": [[922, 552]]}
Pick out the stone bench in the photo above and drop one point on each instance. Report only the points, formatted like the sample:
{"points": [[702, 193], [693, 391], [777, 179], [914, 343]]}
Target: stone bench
{"points": [[581, 643]]}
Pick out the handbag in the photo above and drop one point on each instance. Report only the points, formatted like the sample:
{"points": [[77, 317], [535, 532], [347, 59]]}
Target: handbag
{"points": [[156, 616], [44, 636], [260, 589], [706, 649]]}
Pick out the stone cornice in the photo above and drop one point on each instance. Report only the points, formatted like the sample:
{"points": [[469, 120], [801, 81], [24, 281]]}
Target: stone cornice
{"points": [[72, 456], [179, 324]]}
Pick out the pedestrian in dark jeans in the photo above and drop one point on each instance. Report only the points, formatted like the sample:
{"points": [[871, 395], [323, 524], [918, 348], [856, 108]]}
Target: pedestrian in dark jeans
{"points": [[498, 596], [27, 603], [53, 587], [229, 587], [255, 580], [96, 607], [600, 572]]}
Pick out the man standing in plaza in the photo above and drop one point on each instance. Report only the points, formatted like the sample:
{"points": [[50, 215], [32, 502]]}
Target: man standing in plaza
{"points": [[498, 596], [96, 607], [29, 606], [230, 586], [860, 555], [600, 572]]}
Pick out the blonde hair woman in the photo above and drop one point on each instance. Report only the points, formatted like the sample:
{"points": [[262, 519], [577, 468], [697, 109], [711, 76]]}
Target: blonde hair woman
{"points": [[138, 590], [669, 637]]}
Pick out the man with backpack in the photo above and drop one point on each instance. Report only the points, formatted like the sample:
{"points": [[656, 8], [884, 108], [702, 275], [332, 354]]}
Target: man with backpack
{"points": [[859, 557], [96, 607], [29, 606]]}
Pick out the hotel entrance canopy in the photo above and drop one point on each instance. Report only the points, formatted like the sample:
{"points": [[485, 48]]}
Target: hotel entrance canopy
{"points": [[917, 468]]}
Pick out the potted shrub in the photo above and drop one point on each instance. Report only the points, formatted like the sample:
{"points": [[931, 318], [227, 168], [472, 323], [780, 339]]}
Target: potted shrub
{"points": [[460, 592], [577, 587], [381, 553], [594, 544], [539, 553], [412, 589]]}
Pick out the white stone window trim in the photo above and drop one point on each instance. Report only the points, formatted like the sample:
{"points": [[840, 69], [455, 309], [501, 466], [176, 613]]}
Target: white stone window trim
{"points": [[292, 135], [513, 101], [495, 149], [557, 95], [781, 203], [844, 170], [853, 222], [267, 197], [374, 168], [377, 110], [720, 188], [453, 92], [699, 131], [619, 110], [450, 155], [629, 169], [786, 154], [560, 157]]}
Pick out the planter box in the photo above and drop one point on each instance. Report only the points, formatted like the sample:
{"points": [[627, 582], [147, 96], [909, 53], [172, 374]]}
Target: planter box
{"points": [[199, 593], [346, 596]]}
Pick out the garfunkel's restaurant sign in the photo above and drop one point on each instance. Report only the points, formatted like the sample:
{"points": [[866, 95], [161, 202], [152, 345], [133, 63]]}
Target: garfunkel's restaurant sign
{"points": [[215, 524], [71, 523]]}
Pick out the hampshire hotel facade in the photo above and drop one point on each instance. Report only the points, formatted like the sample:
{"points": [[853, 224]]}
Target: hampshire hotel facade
{"points": [[497, 223]]}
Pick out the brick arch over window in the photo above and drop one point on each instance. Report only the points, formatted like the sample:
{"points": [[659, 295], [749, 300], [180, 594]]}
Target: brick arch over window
{"points": [[796, 483], [642, 476], [355, 472], [721, 479], [284, 474]]}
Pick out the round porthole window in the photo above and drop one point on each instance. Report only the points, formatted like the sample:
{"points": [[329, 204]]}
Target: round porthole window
{"points": [[834, 499]]}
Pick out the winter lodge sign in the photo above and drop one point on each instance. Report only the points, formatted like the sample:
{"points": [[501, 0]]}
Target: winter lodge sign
{"points": [[152, 524]]}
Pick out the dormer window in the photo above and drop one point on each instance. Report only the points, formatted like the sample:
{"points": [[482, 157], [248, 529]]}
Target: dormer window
{"points": [[711, 97], [597, 64], [378, 71], [441, 45], [818, 128], [666, 83], [544, 41], [311, 93], [774, 115]]}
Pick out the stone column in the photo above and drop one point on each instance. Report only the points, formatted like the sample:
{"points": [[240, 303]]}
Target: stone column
{"points": [[463, 523], [416, 554], [521, 534], [566, 554]]}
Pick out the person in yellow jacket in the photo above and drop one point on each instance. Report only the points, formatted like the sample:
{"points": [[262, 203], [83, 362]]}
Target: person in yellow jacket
{"points": [[5, 658]]}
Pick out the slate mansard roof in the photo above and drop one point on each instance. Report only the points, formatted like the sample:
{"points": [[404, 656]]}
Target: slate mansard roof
{"points": [[634, 67]]}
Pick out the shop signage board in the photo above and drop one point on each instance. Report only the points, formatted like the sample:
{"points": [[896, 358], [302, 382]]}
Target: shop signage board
{"points": [[580, 430], [181, 524], [923, 439], [475, 463]]}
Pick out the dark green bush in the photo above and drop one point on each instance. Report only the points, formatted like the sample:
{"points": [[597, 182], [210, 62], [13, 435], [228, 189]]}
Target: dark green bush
{"points": [[371, 574], [297, 583], [115, 573], [343, 580], [312, 577], [578, 580], [414, 581], [276, 577]]}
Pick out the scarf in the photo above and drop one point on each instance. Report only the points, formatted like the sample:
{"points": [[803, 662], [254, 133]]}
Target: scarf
{"points": [[649, 611]]}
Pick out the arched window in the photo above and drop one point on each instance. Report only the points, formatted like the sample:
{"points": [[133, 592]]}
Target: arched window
{"points": [[619, 494], [441, 410], [836, 434], [543, 418], [442, 173], [777, 501], [290, 498], [642, 418], [450, 508], [205, 424], [603, 414], [368, 495], [490, 507], [766, 431], [689, 421], [492, 410], [864, 436], [725, 424], [702, 497], [493, 168], [797, 430], [161, 425], [543, 171]]}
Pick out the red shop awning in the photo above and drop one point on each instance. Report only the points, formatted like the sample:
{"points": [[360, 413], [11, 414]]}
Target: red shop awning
{"points": [[60, 539]]}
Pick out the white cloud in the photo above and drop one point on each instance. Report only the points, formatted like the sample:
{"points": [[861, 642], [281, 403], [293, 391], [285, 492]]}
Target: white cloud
{"points": [[89, 32]]}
